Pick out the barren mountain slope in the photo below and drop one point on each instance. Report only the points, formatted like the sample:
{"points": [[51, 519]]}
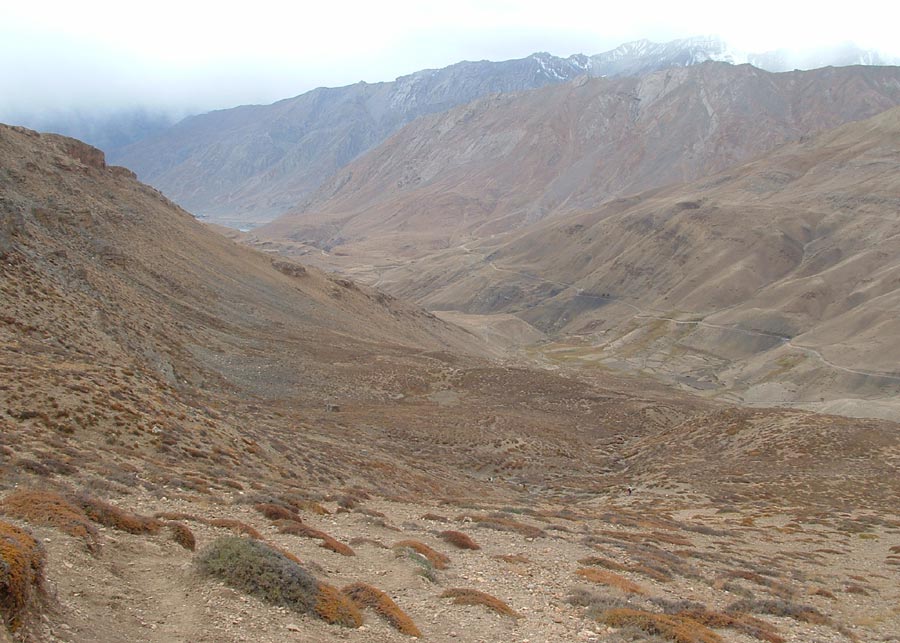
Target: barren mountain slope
{"points": [[205, 391], [784, 274], [249, 164], [506, 161]]}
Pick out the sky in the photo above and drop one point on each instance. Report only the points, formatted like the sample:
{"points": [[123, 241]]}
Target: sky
{"points": [[188, 56]]}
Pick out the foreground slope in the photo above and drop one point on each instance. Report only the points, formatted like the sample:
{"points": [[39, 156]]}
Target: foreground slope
{"points": [[504, 162], [214, 390]]}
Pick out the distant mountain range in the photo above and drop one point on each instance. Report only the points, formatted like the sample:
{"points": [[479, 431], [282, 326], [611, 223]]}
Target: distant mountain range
{"points": [[246, 165]]}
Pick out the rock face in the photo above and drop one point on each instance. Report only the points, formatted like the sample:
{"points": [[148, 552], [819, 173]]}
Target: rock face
{"points": [[252, 163], [247, 165], [505, 162]]}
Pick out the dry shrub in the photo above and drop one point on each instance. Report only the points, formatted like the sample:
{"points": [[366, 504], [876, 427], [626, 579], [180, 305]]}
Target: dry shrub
{"points": [[462, 596], [434, 517], [680, 629], [111, 516], [777, 607], [436, 558], [895, 549], [310, 506], [177, 515], [275, 512], [295, 528], [52, 510], [182, 535], [236, 526], [364, 595], [367, 541], [613, 580], [513, 558], [501, 523], [748, 625], [821, 591], [21, 574], [459, 539], [258, 569], [335, 608], [599, 561]]}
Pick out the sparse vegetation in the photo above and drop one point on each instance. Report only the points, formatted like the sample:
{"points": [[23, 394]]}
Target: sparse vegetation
{"points": [[21, 574], [680, 629], [182, 535], [436, 558], [366, 596], [110, 516], [295, 528], [459, 539], [779, 607], [52, 510], [462, 596], [613, 580], [258, 569]]}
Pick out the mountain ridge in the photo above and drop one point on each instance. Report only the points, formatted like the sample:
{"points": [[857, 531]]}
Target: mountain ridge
{"points": [[252, 163]]}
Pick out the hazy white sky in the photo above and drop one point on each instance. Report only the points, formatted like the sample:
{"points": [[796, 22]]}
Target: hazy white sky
{"points": [[210, 54]]}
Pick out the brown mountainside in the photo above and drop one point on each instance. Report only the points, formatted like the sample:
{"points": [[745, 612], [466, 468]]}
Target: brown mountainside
{"points": [[779, 277], [506, 161], [164, 389]]}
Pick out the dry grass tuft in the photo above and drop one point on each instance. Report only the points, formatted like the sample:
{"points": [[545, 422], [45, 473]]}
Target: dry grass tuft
{"points": [[52, 510], [335, 608], [434, 517], [463, 596], [680, 629], [459, 539], [275, 512], [111, 516], [778, 607], [501, 523], [182, 535], [599, 561], [236, 526], [364, 595], [436, 558], [21, 574], [613, 580], [257, 568], [513, 558], [295, 528], [748, 625]]}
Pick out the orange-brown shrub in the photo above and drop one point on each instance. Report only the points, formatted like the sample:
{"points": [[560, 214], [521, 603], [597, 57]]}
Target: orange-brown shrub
{"points": [[434, 517], [462, 596], [749, 625], [294, 528], [111, 516], [177, 515], [21, 573], [275, 512], [459, 539], [680, 629], [599, 561], [512, 558], [613, 580], [436, 558], [335, 608], [364, 595], [236, 526], [52, 510], [182, 535]]}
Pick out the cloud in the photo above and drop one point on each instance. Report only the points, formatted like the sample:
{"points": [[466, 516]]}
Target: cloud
{"points": [[97, 54]]}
